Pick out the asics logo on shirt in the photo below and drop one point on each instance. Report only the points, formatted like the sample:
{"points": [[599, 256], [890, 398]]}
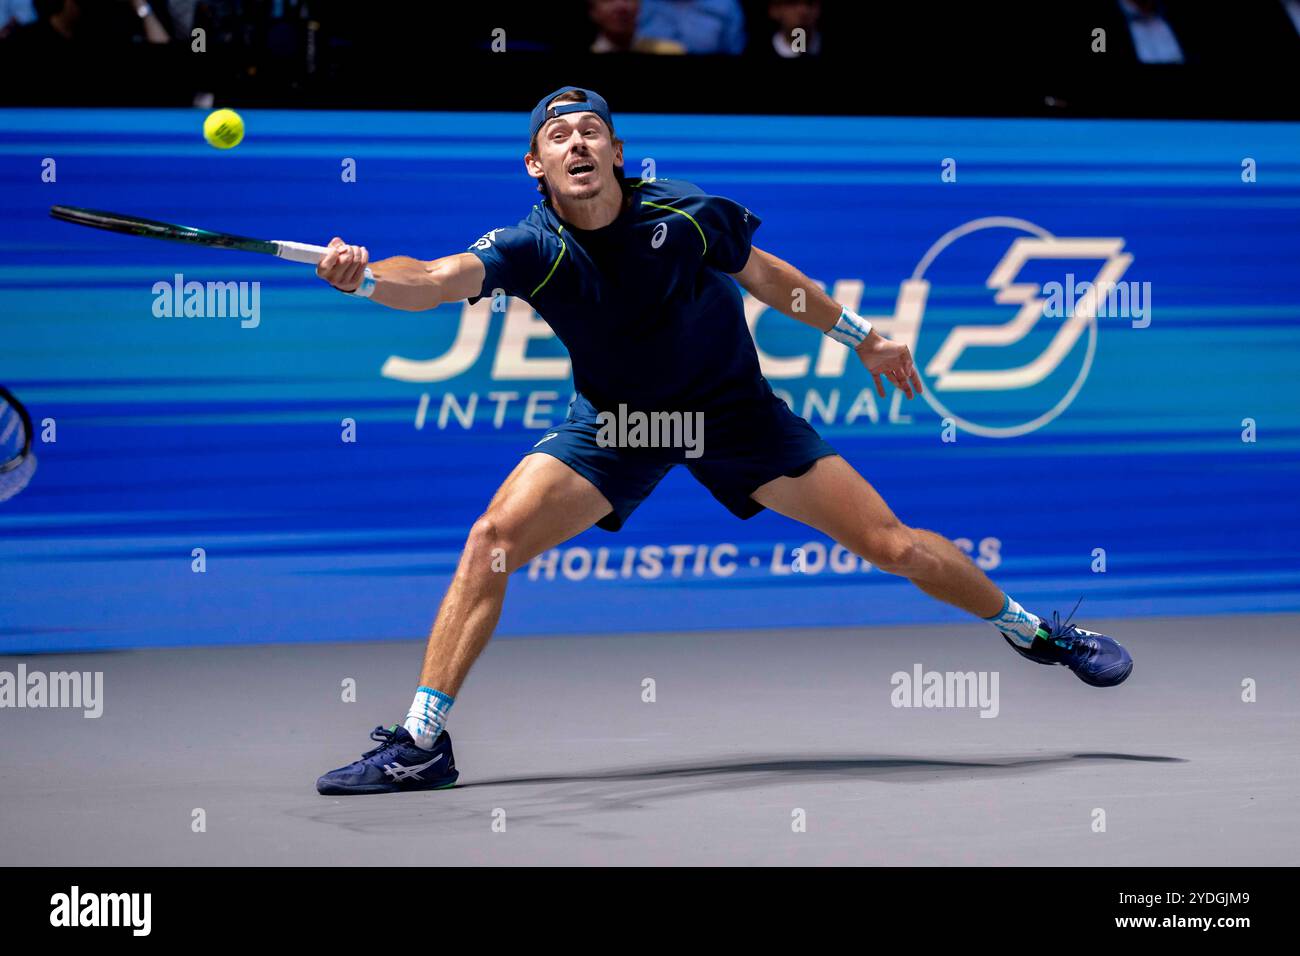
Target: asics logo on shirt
{"points": [[487, 239], [660, 234], [547, 438]]}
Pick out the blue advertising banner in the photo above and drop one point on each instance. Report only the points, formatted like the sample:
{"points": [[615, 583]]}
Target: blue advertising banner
{"points": [[1106, 316]]}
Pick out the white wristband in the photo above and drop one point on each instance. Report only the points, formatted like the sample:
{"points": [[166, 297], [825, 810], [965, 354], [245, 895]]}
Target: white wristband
{"points": [[367, 287], [850, 330]]}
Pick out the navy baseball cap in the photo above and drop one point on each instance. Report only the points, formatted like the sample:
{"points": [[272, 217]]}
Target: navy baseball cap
{"points": [[593, 103]]}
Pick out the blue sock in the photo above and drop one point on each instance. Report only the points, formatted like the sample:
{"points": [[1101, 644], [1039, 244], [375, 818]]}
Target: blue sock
{"points": [[427, 716], [1015, 622]]}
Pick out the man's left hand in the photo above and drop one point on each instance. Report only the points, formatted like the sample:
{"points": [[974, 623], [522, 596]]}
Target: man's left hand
{"points": [[891, 360]]}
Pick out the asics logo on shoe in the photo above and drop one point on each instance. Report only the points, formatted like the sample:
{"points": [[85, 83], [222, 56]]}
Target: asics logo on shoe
{"points": [[398, 772]]}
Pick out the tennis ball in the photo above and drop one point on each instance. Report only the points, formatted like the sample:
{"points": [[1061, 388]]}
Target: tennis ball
{"points": [[223, 129]]}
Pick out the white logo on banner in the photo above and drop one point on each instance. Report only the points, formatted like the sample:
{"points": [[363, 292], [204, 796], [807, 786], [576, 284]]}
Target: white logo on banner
{"points": [[1040, 244]]}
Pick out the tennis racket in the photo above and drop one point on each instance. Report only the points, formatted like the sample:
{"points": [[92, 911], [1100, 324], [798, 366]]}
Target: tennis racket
{"points": [[17, 463], [152, 229]]}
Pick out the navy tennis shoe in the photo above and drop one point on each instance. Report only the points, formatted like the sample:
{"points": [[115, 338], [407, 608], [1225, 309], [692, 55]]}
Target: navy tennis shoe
{"points": [[1095, 658], [396, 765]]}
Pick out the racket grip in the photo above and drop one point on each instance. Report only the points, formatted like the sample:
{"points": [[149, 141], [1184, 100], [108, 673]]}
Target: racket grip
{"points": [[300, 252]]}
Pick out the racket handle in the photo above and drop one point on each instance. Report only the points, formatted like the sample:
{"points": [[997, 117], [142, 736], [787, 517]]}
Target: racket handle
{"points": [[300, 252]]}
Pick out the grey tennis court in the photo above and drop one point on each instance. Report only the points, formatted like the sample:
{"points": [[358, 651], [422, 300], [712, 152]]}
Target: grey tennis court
{"points": [[758, 747]]}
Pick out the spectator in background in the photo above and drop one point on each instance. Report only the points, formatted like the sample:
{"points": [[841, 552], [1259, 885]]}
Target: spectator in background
{"points": [[144, 24], [792, 16], [701, 26], [56, 27], [616, 29], [1154, 39], [1197, 34], [14, 14], [180, 16], [1292, 8], [1150, 31], [65, 24]]}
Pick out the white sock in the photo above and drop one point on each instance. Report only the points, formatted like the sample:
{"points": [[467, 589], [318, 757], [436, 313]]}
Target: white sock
{"points": [[427, 716], [1015, 622]]}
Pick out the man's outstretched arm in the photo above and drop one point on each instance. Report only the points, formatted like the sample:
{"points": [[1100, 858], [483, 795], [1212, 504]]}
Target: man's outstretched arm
{"points": [[775, 282], [412, 285]]}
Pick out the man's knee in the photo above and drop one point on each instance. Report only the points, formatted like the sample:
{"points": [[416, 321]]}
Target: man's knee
{"points": [[896, 549], [487, 548]]}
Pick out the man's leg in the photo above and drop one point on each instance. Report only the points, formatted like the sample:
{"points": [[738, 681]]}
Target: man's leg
{"points": [[542, 504], [836, 500]]}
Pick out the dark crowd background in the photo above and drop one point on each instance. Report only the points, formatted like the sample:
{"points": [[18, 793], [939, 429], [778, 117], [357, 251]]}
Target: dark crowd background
{"points": [[1230, 58]]}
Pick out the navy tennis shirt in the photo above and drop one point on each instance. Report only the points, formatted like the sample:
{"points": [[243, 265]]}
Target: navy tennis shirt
{"points": [[644, 305]]}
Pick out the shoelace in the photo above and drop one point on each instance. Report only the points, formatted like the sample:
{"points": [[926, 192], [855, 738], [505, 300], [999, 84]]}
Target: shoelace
{"points": [[385, 737], [1064, 633]]}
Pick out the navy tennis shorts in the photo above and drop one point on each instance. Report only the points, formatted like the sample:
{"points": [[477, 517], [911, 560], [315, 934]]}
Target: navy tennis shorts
{"points": [[742, 449]]}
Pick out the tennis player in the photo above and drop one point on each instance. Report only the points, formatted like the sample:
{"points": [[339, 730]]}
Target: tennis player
{"points": [[635, 278]]}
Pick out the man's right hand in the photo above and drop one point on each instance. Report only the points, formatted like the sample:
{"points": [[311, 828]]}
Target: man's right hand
{"points": [[343, 266]]}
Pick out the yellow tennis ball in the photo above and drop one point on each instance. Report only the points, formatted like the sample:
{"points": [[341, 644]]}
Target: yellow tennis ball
{"points": [[223, 129]]}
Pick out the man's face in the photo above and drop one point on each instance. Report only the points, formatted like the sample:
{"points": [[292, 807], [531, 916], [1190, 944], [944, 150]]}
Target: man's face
{"points": [[576, 155], [615, 17], [795, 14]]}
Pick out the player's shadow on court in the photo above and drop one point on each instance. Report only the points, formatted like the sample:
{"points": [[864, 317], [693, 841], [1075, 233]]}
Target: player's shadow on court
{"points": [[566, 800], [723, 775]]}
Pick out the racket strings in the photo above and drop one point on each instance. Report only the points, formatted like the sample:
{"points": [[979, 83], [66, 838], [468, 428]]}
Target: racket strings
{"points": [[11, 423], [17, 463]]}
